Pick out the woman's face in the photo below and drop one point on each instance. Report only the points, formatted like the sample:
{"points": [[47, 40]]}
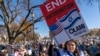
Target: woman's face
{"points": [[71, 46]]}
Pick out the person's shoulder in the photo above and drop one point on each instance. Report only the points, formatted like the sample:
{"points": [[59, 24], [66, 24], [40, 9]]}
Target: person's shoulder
{"points": [[83, 53]]}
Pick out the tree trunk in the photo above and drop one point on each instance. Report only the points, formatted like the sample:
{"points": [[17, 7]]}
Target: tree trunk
{"points": [[11, 40]]}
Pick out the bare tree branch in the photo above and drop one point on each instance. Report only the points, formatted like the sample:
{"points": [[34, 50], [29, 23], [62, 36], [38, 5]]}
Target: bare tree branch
{"points": [[29, 11], [6, 13]]}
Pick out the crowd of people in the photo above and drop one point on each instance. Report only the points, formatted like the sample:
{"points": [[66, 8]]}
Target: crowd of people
{"points": [[76, 48], [69, 48]]}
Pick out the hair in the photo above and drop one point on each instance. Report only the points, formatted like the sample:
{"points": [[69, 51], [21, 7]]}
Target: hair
{"points": [[61, 45], [76, 52]]}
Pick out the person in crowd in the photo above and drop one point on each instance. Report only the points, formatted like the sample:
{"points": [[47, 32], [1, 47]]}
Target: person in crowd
{"points": [[91, 49], [35, 51], [62, 46], [60, 49], [40, 48], [98, 47], [10, 49], [29, 51], [71, 49], [97, 53], [22, 50], [43, 54], [52, 49], [82, 46], [17, 52]]}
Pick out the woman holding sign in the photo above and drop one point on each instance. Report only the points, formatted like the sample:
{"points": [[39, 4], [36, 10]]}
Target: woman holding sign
{"points": [[71, 49]]}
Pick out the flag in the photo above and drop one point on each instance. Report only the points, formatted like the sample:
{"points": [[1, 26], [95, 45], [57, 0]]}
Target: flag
{"points": [[55, 28], [70, 19]]}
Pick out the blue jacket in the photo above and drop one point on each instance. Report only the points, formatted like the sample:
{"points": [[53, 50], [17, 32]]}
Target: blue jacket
{"points": [[62, 52]]}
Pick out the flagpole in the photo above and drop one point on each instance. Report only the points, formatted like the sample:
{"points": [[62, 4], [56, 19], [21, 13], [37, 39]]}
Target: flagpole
{"points": [[63, 28], [54, 38]]}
